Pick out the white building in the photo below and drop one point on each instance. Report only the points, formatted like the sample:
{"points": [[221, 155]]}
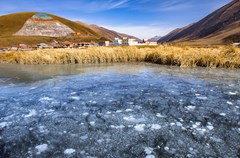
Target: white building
{"points": [[117, 42], [132, 42]]}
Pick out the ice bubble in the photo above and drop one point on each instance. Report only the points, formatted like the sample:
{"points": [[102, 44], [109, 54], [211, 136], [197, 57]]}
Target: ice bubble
{"points": [[73, 93], [31, 113], [229, 103], [150, 156], [155, 126], [75, 97], [108, 112], [50, 111], [41, 148], [148, 150], [118, 111], [69, 151], [191, 149], [139, 127]]}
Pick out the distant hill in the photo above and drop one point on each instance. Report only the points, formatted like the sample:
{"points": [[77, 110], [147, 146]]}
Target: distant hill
{"points": [[110, 34], [155, 39], [221, 26], [20, 28]]}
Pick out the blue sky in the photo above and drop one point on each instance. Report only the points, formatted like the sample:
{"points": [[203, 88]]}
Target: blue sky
{"points": [[141, 18]]}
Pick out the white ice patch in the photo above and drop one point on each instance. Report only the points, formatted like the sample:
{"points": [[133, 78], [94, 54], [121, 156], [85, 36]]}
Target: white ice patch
{"points": [[108, 112], [202, 98], [160, 115], [50, 111], [129, 110], [92, 123], [148, 150], [210, 126], [166, 148], [222, 114], [233, 93], [31, 113], [45, 99], [118, 111], [3, 124], [179, 124], [85, 114], [75, 97], [41, 148], [117, 127], [150, 156], [73, 93], [132, 119], [69, 151], [229, 103], [190, 107], [139, 127], [84, 137], [155, 126]]}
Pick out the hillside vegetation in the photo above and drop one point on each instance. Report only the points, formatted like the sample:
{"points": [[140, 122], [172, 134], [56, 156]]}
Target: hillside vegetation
{"points": [[221, 26], [11, 23], [224, 57]]}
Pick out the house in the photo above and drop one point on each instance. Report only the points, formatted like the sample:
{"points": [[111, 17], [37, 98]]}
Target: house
{"points": [[132, 42], [151, 43], [43, 46], [125, 41], [236, 44], [117, 42], [105, 43]]}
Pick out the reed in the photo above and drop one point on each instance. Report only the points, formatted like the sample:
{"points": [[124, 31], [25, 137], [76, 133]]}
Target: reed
{"points": [[224, 57]]}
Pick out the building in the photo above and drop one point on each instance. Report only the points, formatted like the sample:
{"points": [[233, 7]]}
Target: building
{"points": [[43, 46], [105, 43], [132, 42], [117, 42], [150, 43], [236, 44], [125, 41]]}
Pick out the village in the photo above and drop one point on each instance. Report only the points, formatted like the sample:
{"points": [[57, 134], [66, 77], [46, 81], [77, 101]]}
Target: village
{"points": [[81, 45]]}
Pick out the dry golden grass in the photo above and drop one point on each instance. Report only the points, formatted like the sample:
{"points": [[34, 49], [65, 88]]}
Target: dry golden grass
{"points": [[225, 57]]}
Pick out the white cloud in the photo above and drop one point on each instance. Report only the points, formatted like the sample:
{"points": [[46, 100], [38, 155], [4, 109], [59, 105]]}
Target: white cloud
{"points": [[141, 31]]}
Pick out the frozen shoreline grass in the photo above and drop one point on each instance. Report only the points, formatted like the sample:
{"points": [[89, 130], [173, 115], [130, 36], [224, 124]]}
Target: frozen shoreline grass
{"points": [[224, 57]]}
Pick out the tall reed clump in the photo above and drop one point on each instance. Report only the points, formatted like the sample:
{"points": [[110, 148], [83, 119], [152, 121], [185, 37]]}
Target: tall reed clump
{"points": [[227, 57]]}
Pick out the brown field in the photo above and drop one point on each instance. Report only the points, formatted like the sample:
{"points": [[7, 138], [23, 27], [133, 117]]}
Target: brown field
{"points": [[223, 57]]}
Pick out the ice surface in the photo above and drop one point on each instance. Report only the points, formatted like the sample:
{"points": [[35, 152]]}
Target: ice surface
{"points": [[141, 110]]}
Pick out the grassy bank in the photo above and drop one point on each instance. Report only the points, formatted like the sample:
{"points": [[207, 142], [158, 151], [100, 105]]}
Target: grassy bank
{"points": [[227, 57]]}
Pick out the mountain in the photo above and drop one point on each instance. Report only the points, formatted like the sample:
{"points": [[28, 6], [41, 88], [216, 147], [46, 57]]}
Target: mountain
{"points": [[156, 38], [218, 27], [110, 34], [33, 28]]}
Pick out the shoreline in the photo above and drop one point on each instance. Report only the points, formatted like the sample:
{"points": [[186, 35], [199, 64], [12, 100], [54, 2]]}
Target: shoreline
{"points": [[212, 57]]}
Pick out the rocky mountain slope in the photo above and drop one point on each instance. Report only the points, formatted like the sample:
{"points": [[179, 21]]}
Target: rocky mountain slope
{"points": [[218, 27]]}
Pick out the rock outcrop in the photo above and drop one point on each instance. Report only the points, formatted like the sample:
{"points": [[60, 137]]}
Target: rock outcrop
{"points": [[44, 25]]}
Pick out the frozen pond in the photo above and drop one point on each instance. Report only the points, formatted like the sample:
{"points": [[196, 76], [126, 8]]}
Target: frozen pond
{"points": [[118, 110]]}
